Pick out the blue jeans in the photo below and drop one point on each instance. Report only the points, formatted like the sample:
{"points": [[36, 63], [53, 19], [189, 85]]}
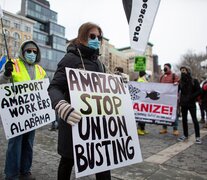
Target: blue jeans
{"points": [[19, 155]]}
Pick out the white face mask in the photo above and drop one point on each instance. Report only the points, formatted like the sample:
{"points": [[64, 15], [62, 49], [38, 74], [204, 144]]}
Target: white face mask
{"points": [[30, 57]]}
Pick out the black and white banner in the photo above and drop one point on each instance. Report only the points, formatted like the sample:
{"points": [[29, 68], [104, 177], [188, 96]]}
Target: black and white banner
{"points": [[154, 103], [140, 15]]}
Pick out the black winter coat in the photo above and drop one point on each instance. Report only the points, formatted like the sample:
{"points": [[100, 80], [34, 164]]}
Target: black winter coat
{"points": [[189, 91], [58, 88]]}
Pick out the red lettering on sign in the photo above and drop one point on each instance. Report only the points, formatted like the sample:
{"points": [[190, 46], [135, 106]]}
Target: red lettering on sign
{"points": [[153, 108]]}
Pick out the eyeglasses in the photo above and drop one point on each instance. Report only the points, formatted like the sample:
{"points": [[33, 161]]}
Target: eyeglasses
{"points": [[30, 51], [93, 36]]}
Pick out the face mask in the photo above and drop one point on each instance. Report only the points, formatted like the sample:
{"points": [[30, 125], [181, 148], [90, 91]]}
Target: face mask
{"points": [[165, 69], [30, 57], [184, 77], [94, 43]]}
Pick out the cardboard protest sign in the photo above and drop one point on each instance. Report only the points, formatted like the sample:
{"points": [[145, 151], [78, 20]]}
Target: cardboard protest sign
{"points": [[154, 103], [25, 107], [106, 137]]}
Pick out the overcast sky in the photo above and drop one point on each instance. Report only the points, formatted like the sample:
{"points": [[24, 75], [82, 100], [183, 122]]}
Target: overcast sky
{"points": [[180, 25]]}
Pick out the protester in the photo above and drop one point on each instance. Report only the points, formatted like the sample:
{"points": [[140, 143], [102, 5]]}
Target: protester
{"points": [[120, 71], [20, 149], [82, 53], [204, 101], [141, 125], [189, 91], [201, 105], [169, 77], [202, 111]]}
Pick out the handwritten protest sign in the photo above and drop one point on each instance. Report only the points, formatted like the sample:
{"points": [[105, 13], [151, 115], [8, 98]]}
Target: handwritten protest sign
{"points": [[106, 137], [25, 107], [154, 103]]}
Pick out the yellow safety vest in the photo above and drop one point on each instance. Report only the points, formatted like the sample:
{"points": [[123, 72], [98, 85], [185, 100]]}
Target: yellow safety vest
{"points": [[141, 80], [20, 73]]}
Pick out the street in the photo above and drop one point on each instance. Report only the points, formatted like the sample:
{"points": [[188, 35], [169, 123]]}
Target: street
{"points": [[164, 157]]}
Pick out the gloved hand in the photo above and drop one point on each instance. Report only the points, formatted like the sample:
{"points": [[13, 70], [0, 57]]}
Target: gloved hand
{"points": [[8, 68], [67, 112]]}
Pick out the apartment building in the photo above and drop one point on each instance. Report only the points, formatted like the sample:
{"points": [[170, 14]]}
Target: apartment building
{"points": [[16, 29], [49, 35]]}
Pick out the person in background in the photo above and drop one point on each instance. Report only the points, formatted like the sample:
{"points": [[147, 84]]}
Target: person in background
{"points": [[200, 103], [169, 77], [202, 111], [141, 125], [189, 89], [82, 53], [204, 101], [20, 149], [120, 71]]}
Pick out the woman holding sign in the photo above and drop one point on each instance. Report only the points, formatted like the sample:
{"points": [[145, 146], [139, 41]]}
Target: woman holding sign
{"points": [[82, 53]]}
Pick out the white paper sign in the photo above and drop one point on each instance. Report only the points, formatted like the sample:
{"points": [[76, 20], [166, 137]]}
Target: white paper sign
{"points": [[25, 107], [106, 137], [154, 102]]}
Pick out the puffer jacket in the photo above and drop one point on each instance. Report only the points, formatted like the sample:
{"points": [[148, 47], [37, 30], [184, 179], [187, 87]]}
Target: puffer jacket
{"points": [[58, 88]]}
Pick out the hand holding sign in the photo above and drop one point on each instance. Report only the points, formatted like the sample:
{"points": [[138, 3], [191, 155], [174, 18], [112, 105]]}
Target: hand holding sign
{"points": [[67, 112]]}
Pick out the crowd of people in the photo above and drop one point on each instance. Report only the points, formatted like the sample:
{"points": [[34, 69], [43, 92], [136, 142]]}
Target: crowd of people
{"points": [[83, 53], [190, 92]]}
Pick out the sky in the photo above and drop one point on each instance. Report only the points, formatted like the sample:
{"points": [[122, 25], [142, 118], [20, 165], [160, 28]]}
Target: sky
{"points": [[180, 25]]}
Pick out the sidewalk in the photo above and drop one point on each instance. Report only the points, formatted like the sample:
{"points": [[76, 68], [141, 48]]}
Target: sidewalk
{"points": [[164, 157]]}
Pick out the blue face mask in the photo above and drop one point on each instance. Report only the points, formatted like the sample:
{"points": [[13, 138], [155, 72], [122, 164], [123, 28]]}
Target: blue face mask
{"points": [[30, 57], [94, 43]]}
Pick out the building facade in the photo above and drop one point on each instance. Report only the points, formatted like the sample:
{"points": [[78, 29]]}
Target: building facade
{"points": [[38, 22], [16, 29], [49, 35], [125, 57], [130, 55]]}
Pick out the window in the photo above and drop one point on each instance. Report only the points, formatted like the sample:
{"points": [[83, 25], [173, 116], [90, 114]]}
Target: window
{"points": [[16, 36], [25, 37], [7, 33], [17, 26], [6, 22], [27, 29]]}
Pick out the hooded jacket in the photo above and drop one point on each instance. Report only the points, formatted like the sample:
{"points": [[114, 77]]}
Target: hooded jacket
{"points": [[31, 69], [58, 88]]}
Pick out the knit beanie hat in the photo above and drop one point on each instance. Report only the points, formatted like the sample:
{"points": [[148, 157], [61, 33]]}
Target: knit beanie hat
{"points": [[142, 73]]}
